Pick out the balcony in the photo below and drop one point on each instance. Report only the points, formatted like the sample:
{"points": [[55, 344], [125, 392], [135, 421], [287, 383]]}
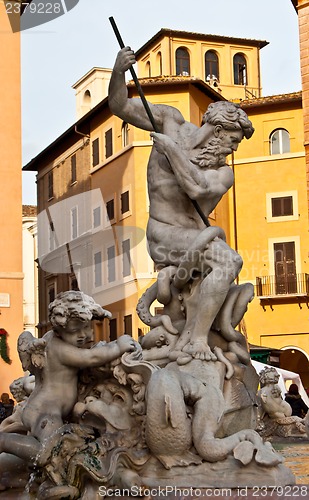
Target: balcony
{"points": [[270, 287]]}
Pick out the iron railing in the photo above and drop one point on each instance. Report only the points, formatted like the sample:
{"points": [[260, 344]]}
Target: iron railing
{"points": [[274, 286]]}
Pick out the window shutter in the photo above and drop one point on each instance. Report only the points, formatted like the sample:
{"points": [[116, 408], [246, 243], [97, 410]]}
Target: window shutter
{"points": [[108, 143]]}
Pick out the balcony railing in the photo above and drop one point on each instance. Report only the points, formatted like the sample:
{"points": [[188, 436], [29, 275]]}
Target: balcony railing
{"points": [[274, 286]]}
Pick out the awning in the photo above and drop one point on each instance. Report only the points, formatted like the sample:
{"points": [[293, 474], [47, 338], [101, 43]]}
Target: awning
{"points": [[283, 376]]}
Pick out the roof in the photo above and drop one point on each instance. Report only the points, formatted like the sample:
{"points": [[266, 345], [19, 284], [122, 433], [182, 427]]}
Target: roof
{"points": [[90, 72], [260, 348], [30, 210], [272, 99], [179, 80], [200, 36], [82, 125], [295, 3]]}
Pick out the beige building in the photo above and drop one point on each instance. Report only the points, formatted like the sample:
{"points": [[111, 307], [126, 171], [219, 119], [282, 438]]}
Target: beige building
{"points": [[30, 269]]}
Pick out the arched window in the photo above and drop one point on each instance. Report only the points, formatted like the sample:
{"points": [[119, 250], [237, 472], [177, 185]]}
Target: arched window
{"points": [[148, 69], [87, 98], [159, 60], [240, 70], [182, 62], [211, 66], [279, 141], [125, 134]]}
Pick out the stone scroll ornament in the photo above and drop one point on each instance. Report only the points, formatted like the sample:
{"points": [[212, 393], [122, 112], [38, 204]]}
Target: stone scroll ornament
{"points": [[4, 348]]}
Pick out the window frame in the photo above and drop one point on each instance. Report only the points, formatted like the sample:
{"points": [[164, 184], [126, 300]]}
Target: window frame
{"points": [[282, 194], [50, 285], [115, 319], [124, 134], [284, 239], [72, 222], [95, 154], [129, 318], [108, 143], [50, 184], [73, 169], [108, 221], [98, 266], [124, 264], [108, 264], [127, 213], [179, 62], [211, 73], [281, 141], [97, 226], [241, 76]]}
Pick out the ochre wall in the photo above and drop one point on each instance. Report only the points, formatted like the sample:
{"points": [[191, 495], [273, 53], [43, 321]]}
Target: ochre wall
{"points": [[11, 318]]}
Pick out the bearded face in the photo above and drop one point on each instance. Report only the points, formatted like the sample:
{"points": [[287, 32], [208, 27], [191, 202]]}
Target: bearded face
{"points": [[213, 155]]}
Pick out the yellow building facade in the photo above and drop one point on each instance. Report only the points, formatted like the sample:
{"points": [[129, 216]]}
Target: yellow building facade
{"points": [[269, 223], [11, 276], [230, 65]]}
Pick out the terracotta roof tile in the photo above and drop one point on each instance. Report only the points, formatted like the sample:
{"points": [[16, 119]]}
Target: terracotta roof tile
{"points": [[272, 99]]}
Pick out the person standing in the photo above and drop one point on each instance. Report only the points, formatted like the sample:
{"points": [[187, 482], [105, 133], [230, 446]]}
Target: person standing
{"points": [[8, 404], [299, 407]]}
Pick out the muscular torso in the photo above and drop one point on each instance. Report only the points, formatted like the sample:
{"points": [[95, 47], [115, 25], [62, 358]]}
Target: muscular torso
{"points": [[169, 203]]}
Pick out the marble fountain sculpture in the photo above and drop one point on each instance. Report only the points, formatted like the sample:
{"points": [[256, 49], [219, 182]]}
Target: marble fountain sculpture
{"points": [[275, 414], [179, 408]]}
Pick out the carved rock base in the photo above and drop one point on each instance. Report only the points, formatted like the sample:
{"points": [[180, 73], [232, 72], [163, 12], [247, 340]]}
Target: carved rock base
{"points": [[228, 473]]}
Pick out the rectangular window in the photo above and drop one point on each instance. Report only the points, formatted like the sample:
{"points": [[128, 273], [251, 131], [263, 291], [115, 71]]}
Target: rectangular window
{"points": [[97, 217], [126, 260], [112, 329], [73, 169], [110, 209], [108, 143], [125, 202], [52, 237], [74, 282], [51, 293], [111, 264], [285, 267], [128, 324], [95, 152], [98, 269], [50, 185], [282, 206], [74, 228]]}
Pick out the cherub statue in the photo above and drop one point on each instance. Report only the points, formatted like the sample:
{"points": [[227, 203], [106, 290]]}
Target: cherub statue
{"points": [[275, 413], [270, 395], [55, 360]]}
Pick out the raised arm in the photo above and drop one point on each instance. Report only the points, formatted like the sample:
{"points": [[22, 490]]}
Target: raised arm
{"points": [[96, 356], [130, 110]]}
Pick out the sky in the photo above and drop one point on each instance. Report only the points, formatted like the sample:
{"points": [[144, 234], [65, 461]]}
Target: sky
{"points": [[56, 54]]}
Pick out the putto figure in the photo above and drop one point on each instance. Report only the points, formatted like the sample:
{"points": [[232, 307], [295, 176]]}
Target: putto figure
{"points": [[55, 360]]}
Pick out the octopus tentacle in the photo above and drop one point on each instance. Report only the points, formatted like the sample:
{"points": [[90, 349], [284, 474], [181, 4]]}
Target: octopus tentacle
{"points": [[231, 313], [151, 295]]}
